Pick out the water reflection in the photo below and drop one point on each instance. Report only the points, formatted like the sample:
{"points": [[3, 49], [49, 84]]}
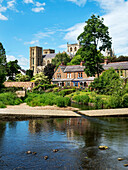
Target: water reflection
{"points": [[76, 138]]}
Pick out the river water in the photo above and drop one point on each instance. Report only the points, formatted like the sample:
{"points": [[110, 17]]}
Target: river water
{"points": [[77, 141]]}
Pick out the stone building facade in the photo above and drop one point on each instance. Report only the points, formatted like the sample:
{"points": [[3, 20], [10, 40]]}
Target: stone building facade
{"points": [[39, 58], [73, 48]]}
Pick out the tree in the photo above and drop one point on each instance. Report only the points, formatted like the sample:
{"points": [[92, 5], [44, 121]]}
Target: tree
{"points": [[49, 71], [60, 58], [12, 69], [2, 65], [29, 73], [20, 77], [108, 83], [40, 78], [76, 60], [95, 38]]}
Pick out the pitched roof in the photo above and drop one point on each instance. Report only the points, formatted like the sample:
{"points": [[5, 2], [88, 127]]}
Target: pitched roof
{"points": [[116, 65], [74, 68], [62, 67], [52, 55]]}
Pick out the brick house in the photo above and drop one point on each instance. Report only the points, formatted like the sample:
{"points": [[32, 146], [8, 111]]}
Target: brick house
{"points": [[74, 75]]}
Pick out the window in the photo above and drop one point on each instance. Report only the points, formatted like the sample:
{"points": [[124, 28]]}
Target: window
{"points": [[68, 75], [121, 72], [67, 83], [38, 61], [71, 49], [75, 49], [58, 76], [80, 75], [33, 61]]}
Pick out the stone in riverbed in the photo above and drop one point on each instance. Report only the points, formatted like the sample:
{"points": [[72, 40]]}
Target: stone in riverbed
{"points": [[120, 159], [125, 164], [28, 152], [45, 157], [103, 147], [34, 153], [55, 150]]}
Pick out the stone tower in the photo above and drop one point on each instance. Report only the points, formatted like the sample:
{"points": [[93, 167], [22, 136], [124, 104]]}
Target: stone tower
{"points": [[35, 58]]}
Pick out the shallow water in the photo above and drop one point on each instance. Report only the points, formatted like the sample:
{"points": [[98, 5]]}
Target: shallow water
{"points": [[76, 138]]}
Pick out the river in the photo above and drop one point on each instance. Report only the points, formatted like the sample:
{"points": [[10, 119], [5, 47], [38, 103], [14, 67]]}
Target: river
{"points": [[76, 140]]}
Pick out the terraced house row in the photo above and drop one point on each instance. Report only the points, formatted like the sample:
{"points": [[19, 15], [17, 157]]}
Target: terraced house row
{"points": [[75, 76]]}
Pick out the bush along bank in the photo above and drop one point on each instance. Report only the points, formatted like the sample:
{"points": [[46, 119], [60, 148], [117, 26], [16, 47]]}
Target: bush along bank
{"points": [[9, 99], [44, 99]]}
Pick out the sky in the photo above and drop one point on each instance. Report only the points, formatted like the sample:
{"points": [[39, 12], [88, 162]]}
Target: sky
{"points": [[53, 23]]}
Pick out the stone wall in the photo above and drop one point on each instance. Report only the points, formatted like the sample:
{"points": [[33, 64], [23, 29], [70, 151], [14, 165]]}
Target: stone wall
{"points": [[26, 85]]}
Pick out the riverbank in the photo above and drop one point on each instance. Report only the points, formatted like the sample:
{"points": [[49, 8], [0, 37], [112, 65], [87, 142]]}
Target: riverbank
{"points": [[25, 111], [105, 112]]}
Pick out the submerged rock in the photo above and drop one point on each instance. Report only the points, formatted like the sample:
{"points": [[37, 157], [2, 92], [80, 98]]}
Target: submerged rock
{"points": [[120, 159], [125, 164], [34, 153], [55, 150], [45, 157], [28, 152], [103, 147]]}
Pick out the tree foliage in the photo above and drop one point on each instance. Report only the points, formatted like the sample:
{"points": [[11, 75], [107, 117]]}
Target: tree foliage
{"points": [[108, 83], [49, 71], [2, 65], [95, 38], [20, 77], [12, 69], [76, 60], [29, 73], [60, 58], [40, 78]]}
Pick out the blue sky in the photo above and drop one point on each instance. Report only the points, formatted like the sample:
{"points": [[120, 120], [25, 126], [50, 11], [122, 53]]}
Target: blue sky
{"points": [[53, 23]]}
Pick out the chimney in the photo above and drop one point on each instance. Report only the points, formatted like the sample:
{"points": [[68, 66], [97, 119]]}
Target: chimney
{"points": [[81, 64], [105, 61]]}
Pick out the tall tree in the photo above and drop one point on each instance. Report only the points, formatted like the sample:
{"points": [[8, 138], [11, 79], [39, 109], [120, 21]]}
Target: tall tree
{"points": [[95, 38], [60, 58], [49, 71], [2, 64], [76, 60], [29, 73], [12, 69]]}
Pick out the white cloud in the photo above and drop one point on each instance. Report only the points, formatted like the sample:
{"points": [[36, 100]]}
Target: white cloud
{"points": [[73, 32], [22, 61], [11, 4], [63, 46], [2, 8], [2, 17], [28, 1], [32, 42], [115, 18], [10, 58], [38, 9], [42, 35], [79, 2], [38, 4]]}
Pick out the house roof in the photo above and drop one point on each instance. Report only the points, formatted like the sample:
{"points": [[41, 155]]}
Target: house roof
{"points": [[62, 67], [74, 68], [116, 65], [52, 55]]}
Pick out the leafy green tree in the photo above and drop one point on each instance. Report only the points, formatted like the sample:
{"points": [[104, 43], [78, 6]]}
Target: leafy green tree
{"points": [[29, 73], [2, 65], [40, 78], [49, 71], [60, 58], [95, 38], [108, 83], [76, 60], [21, 77], [12, 69]]}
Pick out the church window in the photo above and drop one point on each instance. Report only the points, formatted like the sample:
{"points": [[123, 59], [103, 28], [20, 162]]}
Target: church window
{"points": [[75, 49], [71, 49]]}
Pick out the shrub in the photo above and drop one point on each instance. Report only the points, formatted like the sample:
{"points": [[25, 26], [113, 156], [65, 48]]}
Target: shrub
{"points": [[60, 101], [67, 101], [114, 102], [84, 99], [125, 100], [2, 105], [99, 102], [66, 92]]}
